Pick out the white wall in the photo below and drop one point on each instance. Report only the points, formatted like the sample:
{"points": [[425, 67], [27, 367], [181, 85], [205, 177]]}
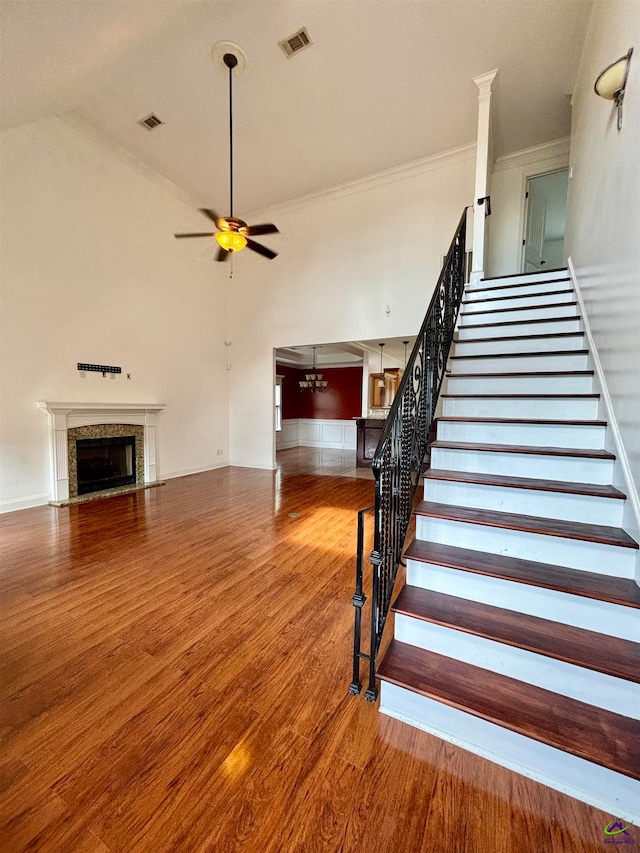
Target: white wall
{"points": [[603, 213], [508, 188], [91, 272], [348, 255]]}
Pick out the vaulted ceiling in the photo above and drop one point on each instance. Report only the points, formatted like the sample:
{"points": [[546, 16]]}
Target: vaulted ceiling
{"points": [[385, 82]]}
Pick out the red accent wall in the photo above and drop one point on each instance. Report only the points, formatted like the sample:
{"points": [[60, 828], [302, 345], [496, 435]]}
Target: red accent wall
{"points": [[290, 390], [341, 401]]}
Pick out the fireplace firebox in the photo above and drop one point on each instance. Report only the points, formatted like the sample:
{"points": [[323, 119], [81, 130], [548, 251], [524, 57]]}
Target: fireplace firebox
{"points": [[105, 463]]}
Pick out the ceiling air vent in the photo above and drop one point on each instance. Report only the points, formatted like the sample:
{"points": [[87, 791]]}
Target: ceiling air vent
{"points": [[151, 121], [295, 43]]}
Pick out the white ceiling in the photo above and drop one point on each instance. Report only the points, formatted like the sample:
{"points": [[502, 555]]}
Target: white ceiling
{"points": [[386, 82]]}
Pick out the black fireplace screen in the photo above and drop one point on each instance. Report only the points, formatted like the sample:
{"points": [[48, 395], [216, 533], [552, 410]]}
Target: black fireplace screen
{"points": [[105, 463]]}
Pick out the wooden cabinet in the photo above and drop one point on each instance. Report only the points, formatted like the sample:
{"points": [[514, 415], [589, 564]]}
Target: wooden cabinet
{"points": [[369, 431], [383, 387], [368, 435]]}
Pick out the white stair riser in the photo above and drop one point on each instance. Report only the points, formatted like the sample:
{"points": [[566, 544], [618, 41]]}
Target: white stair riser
{"points": [[576, 682], [575, 469], [528, 345], [531, 278], [546, 313], [520, 364], [587, 509], [517, 290], [569, 408], [480, 384], [510, 329], [602, 617], [602, 788], [611, 560], [538, 435], [512, 300]]}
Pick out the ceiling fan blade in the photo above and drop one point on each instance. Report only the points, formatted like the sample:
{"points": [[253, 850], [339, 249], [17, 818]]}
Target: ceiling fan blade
{"points": [[212, 215], [198, 234], [222, 254], [255, 230], [261, 250]]}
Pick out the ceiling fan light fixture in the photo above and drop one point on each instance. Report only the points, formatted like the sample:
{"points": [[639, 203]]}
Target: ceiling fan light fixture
{"points": [[231, 241], [233, 234]]}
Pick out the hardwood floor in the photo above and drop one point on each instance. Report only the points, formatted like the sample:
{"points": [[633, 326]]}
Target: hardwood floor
{"points": [[322, 461], [174, 678]]}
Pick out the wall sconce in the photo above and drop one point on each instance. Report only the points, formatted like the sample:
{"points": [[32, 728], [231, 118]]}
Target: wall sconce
{"points": [[612, 81]]}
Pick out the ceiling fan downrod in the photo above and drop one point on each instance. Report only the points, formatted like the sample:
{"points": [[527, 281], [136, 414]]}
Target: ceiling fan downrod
{"points": [[230, 61]]}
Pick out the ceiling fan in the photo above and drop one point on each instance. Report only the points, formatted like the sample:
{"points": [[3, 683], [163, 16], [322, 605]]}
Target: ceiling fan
{"points": [[233, 234]]}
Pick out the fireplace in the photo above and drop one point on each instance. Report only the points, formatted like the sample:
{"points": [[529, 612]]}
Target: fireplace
{"points": [[105, 463], [104, 456], [71, 423]]}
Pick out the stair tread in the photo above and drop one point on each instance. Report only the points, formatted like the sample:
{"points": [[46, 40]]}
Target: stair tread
{"points": [[592, 733], [578, 646], [522, 322], [516, 284], [516, 296], [459, 340], [481, 447], [524, 274], [471, 419], [594, 489], [600, 533], [519, 308], [537, 354], [525, 373], [565, 396], [620, 591]]}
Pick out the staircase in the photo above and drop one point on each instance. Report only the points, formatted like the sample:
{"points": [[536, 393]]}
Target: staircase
{"points": [[516, 635]]}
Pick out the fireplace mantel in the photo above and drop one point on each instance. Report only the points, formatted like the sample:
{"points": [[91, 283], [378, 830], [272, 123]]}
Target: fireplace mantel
{"points": [[64, 416]]}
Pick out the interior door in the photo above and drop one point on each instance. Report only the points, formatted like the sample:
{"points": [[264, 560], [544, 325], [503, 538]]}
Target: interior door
{"points": [[534, 232]]}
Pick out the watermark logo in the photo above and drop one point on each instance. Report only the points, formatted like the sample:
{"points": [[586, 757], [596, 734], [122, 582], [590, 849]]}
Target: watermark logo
{"points": [[616, 833]]}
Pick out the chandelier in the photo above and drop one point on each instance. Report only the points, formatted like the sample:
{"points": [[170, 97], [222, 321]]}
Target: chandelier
{"points": [[313, 381]]}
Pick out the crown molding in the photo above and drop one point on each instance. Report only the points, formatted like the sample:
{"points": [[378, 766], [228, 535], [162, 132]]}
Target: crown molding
{"points": [[407, 171], [556, 149]]}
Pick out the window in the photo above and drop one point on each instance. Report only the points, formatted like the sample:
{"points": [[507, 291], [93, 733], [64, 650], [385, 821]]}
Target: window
{"points": [[278, 403]]}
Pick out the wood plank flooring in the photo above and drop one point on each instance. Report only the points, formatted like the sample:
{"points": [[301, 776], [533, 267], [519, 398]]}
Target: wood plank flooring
{"points": [[174, 676]]}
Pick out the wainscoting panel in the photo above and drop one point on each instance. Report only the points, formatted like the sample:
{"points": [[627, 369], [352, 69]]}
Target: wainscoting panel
{"points": [[288, 435], [308, 432]]}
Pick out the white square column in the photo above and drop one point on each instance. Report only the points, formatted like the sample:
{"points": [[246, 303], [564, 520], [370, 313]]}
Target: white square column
{"points": [[484, 164]]}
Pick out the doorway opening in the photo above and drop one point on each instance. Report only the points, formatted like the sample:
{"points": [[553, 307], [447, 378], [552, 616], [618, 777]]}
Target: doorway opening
{"points": [[546, 212]]}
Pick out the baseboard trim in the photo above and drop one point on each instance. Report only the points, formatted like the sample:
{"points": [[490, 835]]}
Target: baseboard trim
{"points": [[260, 466], [24, 503], [200, 469]]}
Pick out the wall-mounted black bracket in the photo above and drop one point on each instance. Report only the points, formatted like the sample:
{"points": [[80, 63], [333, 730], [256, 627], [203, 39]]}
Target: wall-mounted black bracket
{"points": [[99, 368], [487, 199]]}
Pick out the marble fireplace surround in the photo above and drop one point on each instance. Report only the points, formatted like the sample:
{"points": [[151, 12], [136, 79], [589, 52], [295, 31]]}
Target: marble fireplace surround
{"points": [[66, 416]]}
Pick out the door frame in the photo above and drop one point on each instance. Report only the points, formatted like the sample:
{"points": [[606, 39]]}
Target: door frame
{"points": [[525, 204]]}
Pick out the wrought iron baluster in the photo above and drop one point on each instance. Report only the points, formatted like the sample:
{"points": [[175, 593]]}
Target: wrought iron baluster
{"points": [[399, 457]]}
